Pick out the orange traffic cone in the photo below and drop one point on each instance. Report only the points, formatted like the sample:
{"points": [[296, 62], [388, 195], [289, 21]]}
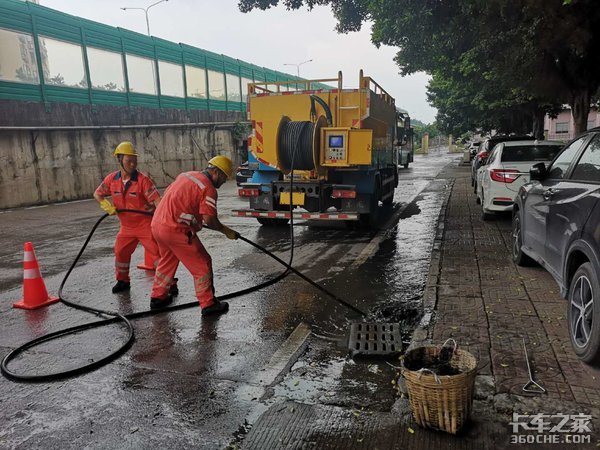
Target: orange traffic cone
{"points": [[148, 263], [35, 294]]}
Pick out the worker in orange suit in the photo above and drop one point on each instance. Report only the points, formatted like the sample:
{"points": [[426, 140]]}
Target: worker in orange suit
{"points": [[129, 189], [190, 203]]}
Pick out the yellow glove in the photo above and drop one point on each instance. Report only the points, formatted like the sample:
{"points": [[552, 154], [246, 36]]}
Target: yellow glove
{"points": [[230, 233], [108, 207]]}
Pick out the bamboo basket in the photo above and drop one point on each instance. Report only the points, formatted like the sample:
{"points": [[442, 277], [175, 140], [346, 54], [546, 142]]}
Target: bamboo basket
{"points": [[441, 402]]}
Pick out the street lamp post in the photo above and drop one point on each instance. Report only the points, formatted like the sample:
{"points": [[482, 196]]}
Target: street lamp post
{"points": [[146, 12], [298, 66]]}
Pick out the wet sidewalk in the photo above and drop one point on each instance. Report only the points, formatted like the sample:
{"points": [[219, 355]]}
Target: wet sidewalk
{"points": [[489, 305], [478, 296]]}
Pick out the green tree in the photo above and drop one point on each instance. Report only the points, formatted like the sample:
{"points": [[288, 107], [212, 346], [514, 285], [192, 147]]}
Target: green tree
{"points": [[536, 53]]}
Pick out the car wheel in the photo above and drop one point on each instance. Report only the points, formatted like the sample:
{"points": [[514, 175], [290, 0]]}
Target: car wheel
{"points": [[584, 313], [519, 258], [485, 216]]}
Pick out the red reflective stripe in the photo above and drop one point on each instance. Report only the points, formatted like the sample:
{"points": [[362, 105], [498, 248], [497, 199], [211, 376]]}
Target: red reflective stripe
{"points": [[263, 161]]}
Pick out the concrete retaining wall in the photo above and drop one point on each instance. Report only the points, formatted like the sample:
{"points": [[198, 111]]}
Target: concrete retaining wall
{"points": [[51, 166], [44, 166]]}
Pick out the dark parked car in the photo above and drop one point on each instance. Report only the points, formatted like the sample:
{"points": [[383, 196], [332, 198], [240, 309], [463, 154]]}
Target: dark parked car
{"points": [[473, 149], [556, 222], [484, 151]]}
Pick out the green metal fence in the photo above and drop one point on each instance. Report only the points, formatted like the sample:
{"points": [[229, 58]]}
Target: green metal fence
{"points": [[49, 56]]}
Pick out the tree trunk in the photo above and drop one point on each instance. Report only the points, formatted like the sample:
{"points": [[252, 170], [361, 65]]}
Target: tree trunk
{"points": [[580, 108], [538, 123]]}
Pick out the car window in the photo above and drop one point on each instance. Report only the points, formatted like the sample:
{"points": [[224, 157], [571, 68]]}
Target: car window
{"points": [[530, 153], [561, 164], [588, 167], [494, 154]]}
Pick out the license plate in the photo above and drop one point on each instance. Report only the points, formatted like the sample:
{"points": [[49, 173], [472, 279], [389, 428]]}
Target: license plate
{"points": [[298, 198]]}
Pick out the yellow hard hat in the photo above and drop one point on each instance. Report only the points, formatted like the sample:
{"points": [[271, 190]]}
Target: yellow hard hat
{"points": [[223, 163], [125, 148]]}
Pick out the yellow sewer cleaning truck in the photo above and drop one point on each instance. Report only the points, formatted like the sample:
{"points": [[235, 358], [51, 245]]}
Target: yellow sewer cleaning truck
{"points": [[341, 145]]}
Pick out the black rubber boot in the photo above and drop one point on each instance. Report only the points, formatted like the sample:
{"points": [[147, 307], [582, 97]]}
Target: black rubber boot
{"points": [[121, 286], [216, 308], [174, 290], [157, 303]]}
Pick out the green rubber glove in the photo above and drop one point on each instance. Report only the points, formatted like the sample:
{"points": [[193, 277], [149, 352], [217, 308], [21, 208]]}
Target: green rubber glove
{"points": [[108, 207]]}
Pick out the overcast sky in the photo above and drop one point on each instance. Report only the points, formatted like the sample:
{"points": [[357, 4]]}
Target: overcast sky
{"points": [[269, 38]]}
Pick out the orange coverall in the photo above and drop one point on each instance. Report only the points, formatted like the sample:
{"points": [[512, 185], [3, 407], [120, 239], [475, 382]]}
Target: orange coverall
{"points": [[176, 220], [138, 193]]}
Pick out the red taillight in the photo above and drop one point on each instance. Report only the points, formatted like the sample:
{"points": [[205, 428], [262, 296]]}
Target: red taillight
{"points": [[482, 155], [253, 124], [249, 192], [343, 193], [504, 175], [250, 141]]}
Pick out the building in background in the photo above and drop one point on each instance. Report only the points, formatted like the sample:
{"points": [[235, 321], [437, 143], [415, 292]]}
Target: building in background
{"points": [[562, 128]]}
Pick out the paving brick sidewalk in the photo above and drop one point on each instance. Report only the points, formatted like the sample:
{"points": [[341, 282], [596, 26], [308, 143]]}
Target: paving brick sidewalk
{"points": [[489, 304]]}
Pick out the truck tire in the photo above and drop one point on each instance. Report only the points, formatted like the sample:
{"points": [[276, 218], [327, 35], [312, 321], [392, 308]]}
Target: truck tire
{"points": [[390, 187], [371, 219], [272, 222]]}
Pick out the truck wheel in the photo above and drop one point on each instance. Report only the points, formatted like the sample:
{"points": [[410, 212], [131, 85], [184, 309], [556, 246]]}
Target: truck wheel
{"points": [[390, 189], [272, 222], [371, 220]]}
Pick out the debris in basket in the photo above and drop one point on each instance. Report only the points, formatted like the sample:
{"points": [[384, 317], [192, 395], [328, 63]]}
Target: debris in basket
{"points": [[439, 364], [434, 363]]}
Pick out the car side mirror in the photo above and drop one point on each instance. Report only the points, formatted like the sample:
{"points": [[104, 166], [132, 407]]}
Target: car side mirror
{"points": [[538, 171]]}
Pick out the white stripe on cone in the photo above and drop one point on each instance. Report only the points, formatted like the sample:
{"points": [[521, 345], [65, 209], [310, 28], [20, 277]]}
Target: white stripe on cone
{"points": [[31, 274], [28, 256]]}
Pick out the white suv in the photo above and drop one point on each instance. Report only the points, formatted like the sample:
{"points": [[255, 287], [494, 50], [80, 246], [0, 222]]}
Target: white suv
{"points": [[507, 169]]}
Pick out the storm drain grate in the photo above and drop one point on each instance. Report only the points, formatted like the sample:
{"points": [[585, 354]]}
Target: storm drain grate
{"points": [[374, 339]]}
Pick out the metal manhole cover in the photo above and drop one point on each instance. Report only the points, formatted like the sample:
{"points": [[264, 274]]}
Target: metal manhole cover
{"points": [[374, 339]]}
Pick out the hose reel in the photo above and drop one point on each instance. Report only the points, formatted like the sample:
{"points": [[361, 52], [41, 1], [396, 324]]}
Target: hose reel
{"points": [[308, 136]]}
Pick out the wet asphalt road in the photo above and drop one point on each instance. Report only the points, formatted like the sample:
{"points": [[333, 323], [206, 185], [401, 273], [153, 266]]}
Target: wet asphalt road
{"points": [[188, 382]]}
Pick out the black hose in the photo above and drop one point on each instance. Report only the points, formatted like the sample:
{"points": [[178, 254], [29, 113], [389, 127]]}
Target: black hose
{"points": [[116, 317], [125, 319], [299, 131], [295, 146], [325, 106]]}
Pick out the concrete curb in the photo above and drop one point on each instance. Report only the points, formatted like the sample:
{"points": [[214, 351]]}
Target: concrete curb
{"points": [[430, 295]]}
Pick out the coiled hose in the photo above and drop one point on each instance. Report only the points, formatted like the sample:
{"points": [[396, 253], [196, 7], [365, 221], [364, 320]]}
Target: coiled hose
{"points": [[296, 145]]}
